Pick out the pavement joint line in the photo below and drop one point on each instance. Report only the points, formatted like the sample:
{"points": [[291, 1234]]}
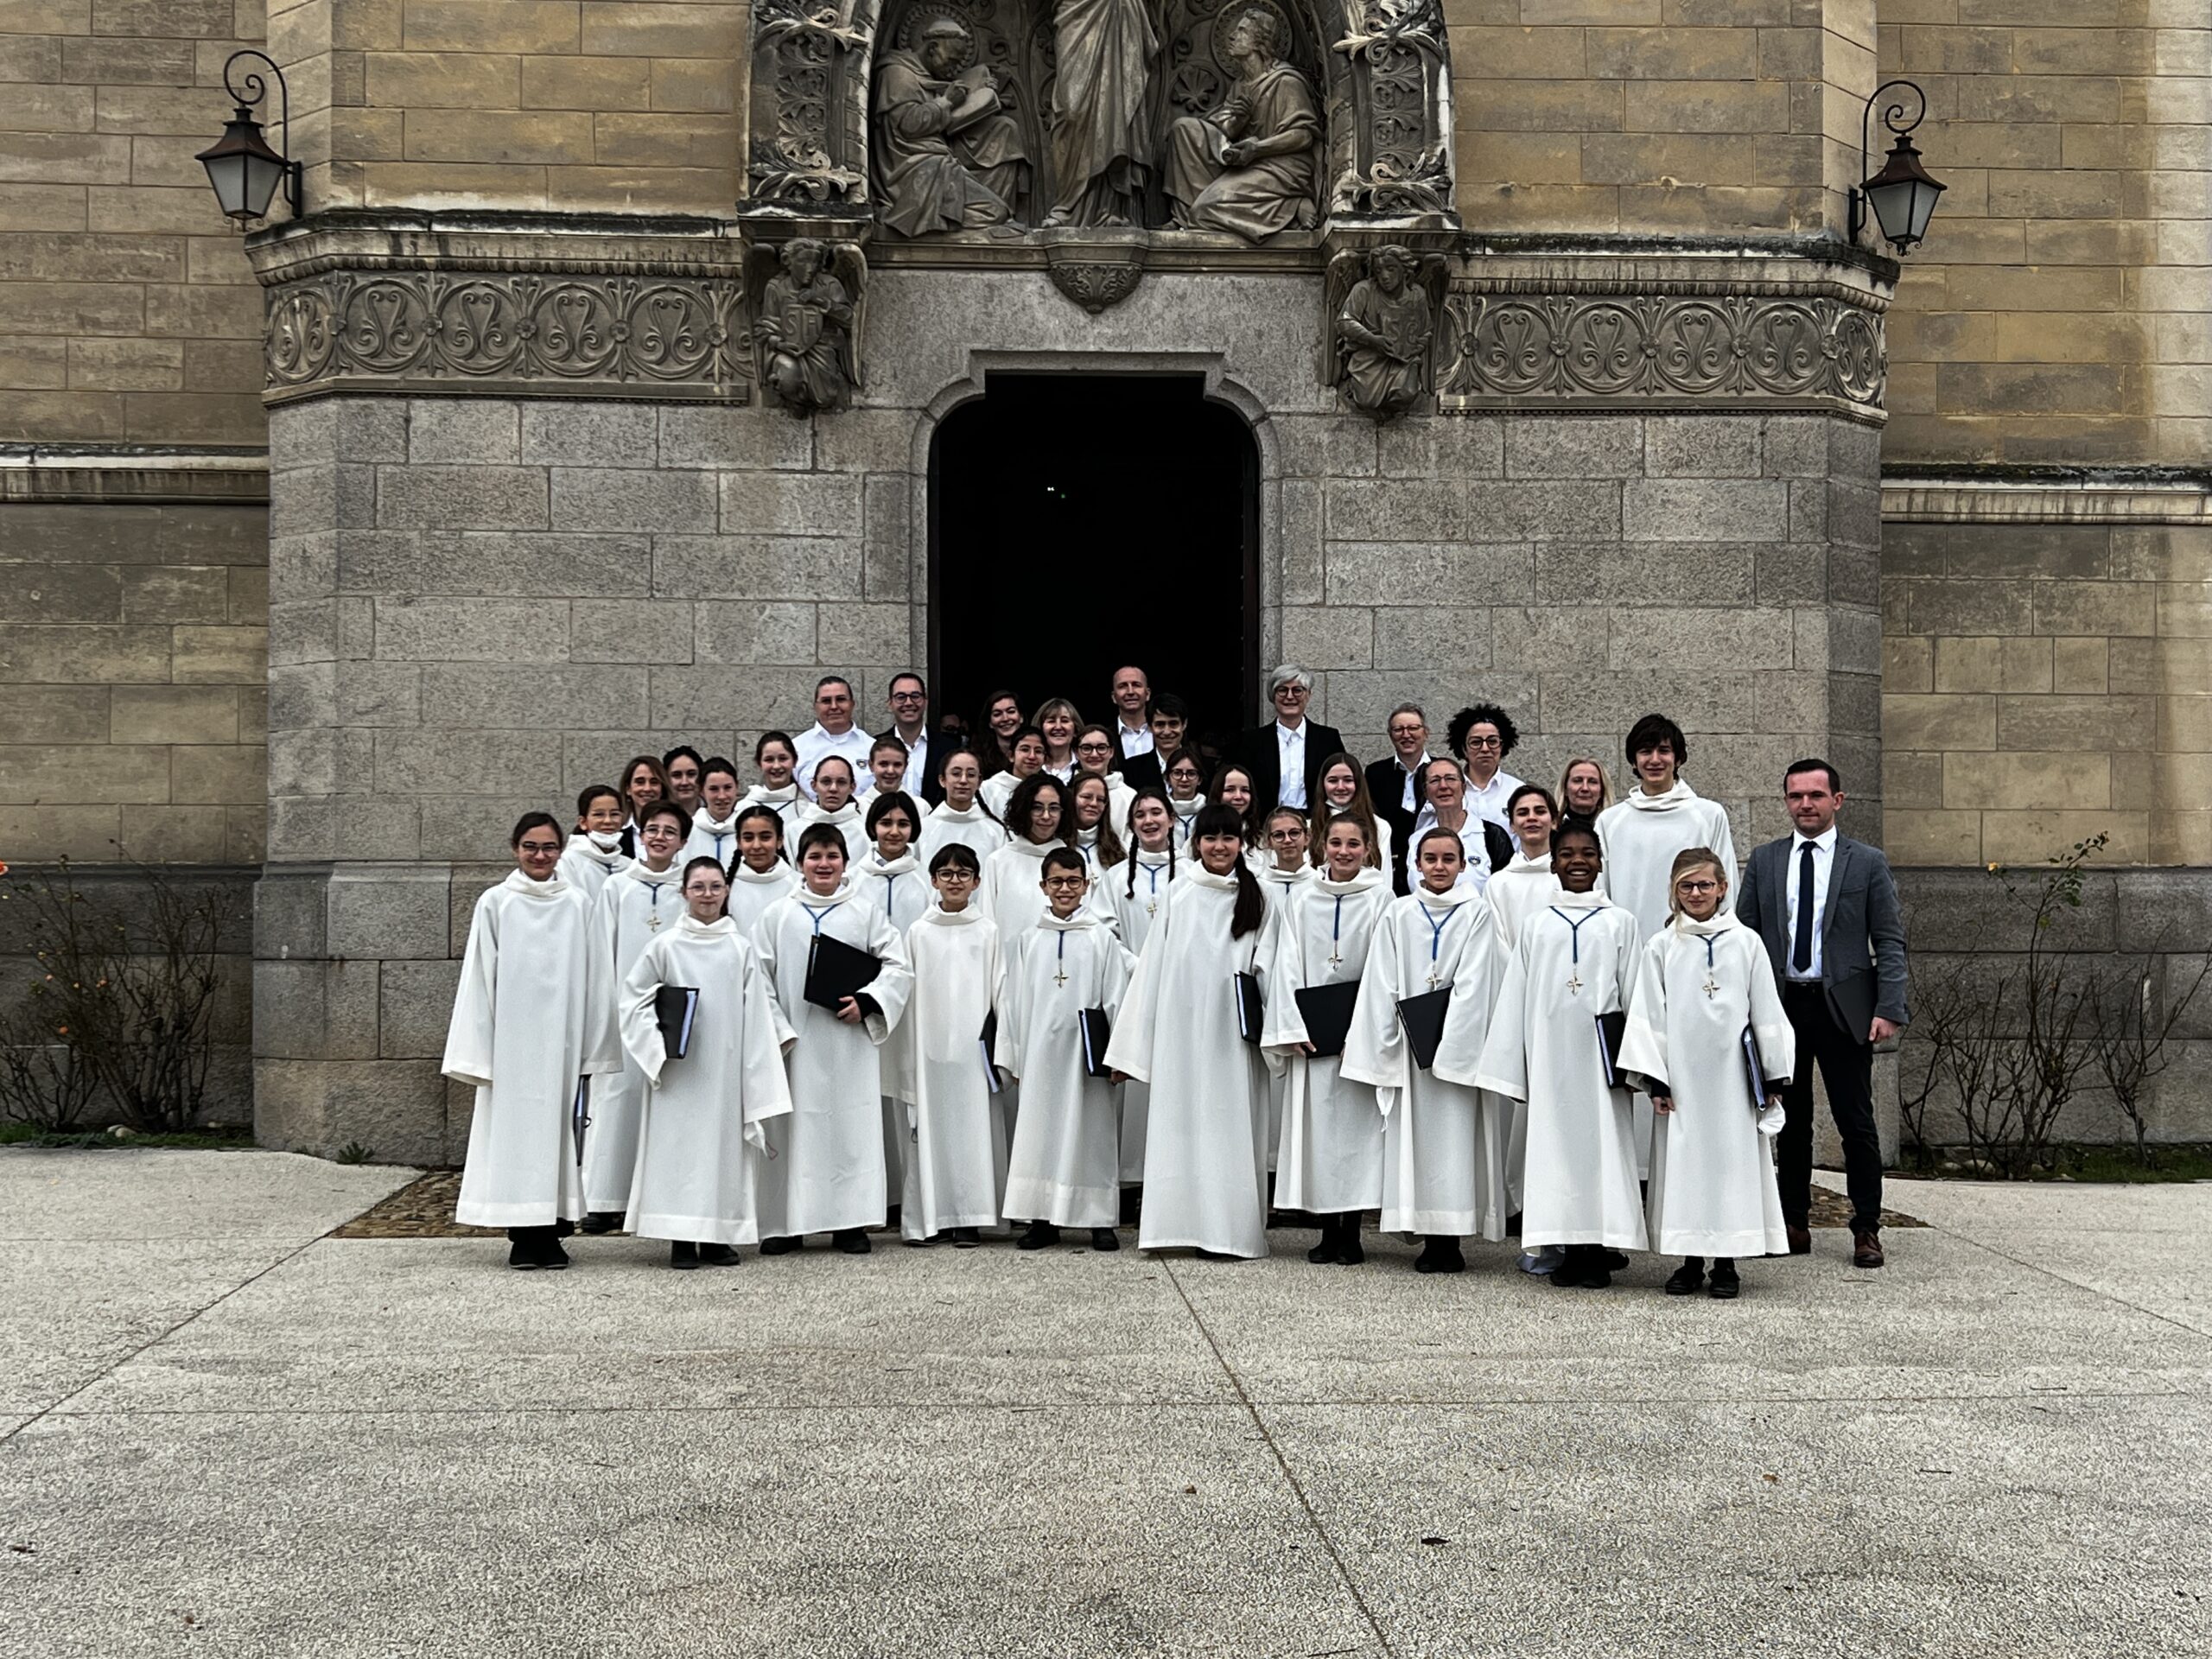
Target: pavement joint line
{"points": [[1640, 1403], [117, 1365], [1297, 1488], [2048, 1272]]}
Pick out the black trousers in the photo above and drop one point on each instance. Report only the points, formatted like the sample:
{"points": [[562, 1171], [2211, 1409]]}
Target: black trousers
{"points": [[1846, 1063]]}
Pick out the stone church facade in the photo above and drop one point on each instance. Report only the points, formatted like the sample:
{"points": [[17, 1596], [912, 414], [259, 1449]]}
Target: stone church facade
{"points": [[601, 400]]}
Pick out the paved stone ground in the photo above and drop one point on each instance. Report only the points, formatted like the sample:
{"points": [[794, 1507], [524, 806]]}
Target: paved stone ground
{"points": [[227, 1433]]}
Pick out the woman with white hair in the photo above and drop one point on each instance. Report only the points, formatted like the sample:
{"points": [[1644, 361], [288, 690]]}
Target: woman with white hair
{"points": [[1284, 757]]}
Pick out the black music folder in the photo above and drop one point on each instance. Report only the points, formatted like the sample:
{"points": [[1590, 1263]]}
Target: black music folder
{"points": [[1423, 1018], [1096, 1029], [1612, 1029], [1249, 1011], [674, 1007], [1326, 1010], [1755, 1070], [835, 971], [988, 1041]]}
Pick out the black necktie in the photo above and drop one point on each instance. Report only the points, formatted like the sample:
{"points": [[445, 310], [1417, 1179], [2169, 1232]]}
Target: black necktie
{"points": [[1801, 949]]}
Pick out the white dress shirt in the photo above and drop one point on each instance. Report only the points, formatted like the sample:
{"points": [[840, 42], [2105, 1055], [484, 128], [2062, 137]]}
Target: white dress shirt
{"points": [[1135, 740], [1823, 846], [814, 746], [1408, 801], [1474, 848], [918, 760], [1290, 746], [1489, 801]]}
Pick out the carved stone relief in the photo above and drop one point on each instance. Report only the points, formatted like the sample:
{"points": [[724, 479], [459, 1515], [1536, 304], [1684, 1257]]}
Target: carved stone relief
{"points": [[1382, 311], [808, 315], [518, 333]]}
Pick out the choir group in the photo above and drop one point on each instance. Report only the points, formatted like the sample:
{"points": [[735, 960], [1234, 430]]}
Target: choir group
{"points": [[996, 984]]}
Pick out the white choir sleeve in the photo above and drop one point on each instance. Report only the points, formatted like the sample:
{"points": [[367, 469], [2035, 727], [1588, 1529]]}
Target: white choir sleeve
{"points": [[1503, 1067], [1644, 1045], [602, 1031], [640, 1019], [1129, 1050], [767, 1087], [1474, 990], [1375, 1053], [468, 1037], [891, 986]]}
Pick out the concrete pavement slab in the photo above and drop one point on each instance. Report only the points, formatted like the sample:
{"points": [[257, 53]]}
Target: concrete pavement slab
{"points": [[1960, 1529], [134, 1192], [1097, 1531], [387, 1323], [1948, 1317]]}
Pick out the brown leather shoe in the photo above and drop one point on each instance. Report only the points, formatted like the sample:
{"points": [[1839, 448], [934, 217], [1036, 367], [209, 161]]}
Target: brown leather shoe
{"points": [[1865, 1249], [1800, 1241]]}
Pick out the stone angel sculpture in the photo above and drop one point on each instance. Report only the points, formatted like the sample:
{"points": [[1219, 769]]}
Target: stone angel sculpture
{"points": [[807, 323], [1383, 307]]}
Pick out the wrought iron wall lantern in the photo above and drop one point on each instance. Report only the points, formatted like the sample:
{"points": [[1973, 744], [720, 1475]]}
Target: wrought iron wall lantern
{"points": [[240, 165], [1902, 196]]}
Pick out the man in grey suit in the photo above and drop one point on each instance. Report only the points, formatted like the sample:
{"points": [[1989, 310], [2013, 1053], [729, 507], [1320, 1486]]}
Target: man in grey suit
{"points": [[1826, 908]]}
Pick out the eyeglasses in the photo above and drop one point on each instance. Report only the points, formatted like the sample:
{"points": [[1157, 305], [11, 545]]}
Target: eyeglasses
{"points": [[660, 832], [1286, 835], [1697, 887], [1290, 691], [1093, 748], [1491, 742], [1061, 883], [957, 877], [909, 697], [541, 849]]}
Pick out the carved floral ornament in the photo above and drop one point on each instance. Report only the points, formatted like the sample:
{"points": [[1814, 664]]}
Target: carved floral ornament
{"points": [[518, 332]]}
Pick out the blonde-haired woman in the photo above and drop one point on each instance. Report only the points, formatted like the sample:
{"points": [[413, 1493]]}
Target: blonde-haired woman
{"points": [[1585, 791]]}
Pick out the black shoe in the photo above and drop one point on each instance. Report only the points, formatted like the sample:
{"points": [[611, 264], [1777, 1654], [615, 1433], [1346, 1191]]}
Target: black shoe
{"points": [[891, 1217], [717, 1255], [1726, 1284], [1689, 1279], [550, 1255], [682, 1254], [1041, 1233], [602, 1221], [781, 1246], [1801, 1240], [963, 1238], [1567, 1276], [1595, 1277], [1440, 1254], [1513, 1225], [522, 1253], [852, 1241], [1105, 1238], [1613, 1261], [1327, 1250]]}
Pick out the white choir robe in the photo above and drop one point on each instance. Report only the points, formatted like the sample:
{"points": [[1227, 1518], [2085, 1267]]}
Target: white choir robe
{"points": [[1580, 1183], [865, 798], [1443, 1139], [825, 1171], [1474, 848], [902, 893], [711, 840], [1205, 1156], [1120, 797], [787, 803], [532, 1016], [1639, 836], [955, 1155], [1329, 1158], [847, 823], [636, 905], [1524, 886], [1065, 1164], [976, 829], [1697, 984], [1013, 893], [996, 791], [585, 865], [1279, 887], [1186, 813], [751, 892], [1135, 892], [700, 1135]]}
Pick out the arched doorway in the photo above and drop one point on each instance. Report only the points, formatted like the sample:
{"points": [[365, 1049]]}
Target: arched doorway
{"points": [[1080, 522]]}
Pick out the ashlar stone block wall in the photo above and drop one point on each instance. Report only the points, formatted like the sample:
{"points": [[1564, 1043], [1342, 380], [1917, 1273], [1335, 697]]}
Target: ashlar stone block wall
{"points": [[127, 311]]}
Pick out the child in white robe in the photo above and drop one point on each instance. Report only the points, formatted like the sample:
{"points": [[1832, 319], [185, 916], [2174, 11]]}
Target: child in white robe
{"points": [[1280, 862], [961, 817], [1343, 794], [1184, 773], [1641, 834], [1090, 800], [595, 851], [713, 831], [1036, 818], [761, 874], [890, 878], [1205, 1159], [1700, 984], [1443, 1139], [826, 1172], [1524, 884], [886, 767], [956, 1150], [1573, 962], [638, 902], [1065, 1168], [700, 1135], [1026, 751], [775, 756], [1329, 1160], [1136, 894], [533, 1018], [832, 806]]}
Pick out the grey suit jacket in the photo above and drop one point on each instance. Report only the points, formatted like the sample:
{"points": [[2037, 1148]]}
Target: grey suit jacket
{"points": [[1862, 931]]}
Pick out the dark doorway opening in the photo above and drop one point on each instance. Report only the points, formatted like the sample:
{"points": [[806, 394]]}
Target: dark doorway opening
{"points": [[1080, 522]]}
